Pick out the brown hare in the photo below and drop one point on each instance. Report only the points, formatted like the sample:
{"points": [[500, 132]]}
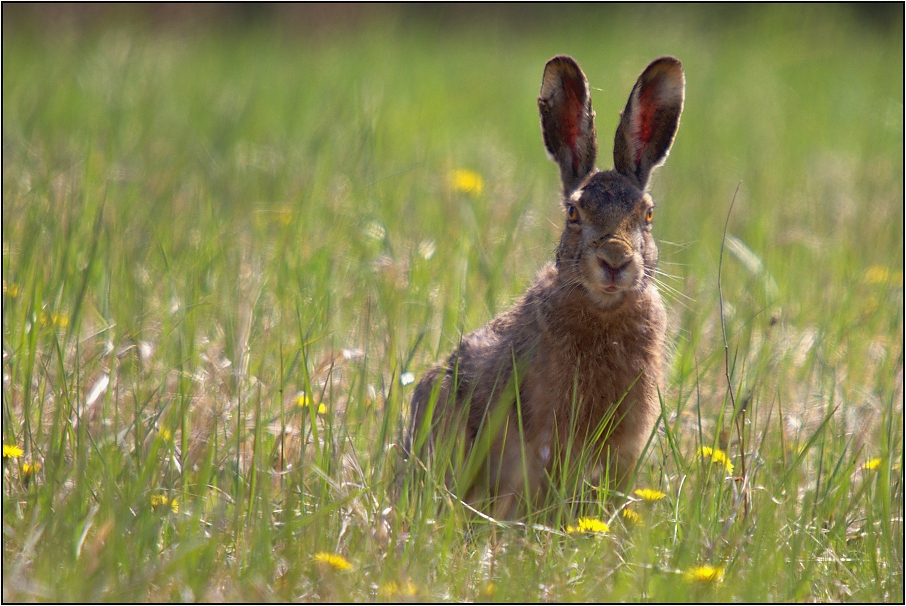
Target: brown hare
{"points": [[565, 384]]}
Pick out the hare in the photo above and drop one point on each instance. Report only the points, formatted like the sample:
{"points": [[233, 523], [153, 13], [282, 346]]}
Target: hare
{"points": [[565, 384]]}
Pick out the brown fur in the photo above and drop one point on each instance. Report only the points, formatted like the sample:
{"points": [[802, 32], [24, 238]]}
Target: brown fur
{"points": [[571, 372]]}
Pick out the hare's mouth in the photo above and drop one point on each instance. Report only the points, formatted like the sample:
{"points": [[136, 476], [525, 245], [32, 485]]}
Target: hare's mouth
{"points": [[612, 280], [604, 284]]}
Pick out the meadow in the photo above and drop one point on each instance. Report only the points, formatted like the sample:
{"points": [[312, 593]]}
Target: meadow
{"points": [[229, 251]]}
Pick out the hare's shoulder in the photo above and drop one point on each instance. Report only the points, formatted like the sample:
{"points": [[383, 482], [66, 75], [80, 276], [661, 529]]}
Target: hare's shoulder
{"points": [[519, 327]]}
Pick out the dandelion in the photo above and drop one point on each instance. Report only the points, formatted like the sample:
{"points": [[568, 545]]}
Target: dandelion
{"points": [[165, 434], [704, 574], [28, 472], [717, 456], [54, 319], [633, 517], [588, 525], [159, 501], [876, 274], [872, 464], [647, 494], [467, 181], [393, 589], [337, 562], [488, 590], [304, 401], [12, 452], [11, 290]]}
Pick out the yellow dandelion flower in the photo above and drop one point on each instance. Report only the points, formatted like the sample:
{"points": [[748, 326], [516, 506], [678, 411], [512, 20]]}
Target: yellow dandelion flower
{"points": [[704, 574], [876, 274], [337, 562], [588, 525], [161, 500], [28, 472], [11, 290], [165, 434], [12, 452], [389, 589], [632, 517], [410, 590], [649, 495], [717, 456], [872, 464], [467, 181], [303, 401], [488, 590], [54, 319], [393, 589]]}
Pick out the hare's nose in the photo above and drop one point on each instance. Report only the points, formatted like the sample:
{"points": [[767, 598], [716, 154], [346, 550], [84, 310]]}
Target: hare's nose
{"points": [[613, 255]]}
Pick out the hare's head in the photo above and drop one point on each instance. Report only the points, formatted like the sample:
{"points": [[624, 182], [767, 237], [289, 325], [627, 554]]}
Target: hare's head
{"points": [[607, 246]]}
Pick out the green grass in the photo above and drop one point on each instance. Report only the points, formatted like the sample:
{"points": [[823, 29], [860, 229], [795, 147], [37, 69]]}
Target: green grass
{"points": [[198, 225]]}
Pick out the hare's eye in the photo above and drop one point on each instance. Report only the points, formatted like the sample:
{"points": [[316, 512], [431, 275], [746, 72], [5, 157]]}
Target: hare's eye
{"points": [[572, 213], [649, 215]]}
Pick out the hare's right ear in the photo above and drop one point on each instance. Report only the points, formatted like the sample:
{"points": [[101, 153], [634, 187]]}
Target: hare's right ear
{"points": [[650, 120], [567, 120]]}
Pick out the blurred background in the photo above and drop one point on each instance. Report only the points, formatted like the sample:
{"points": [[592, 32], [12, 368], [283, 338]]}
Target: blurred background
{"points": [[301, 19], [207, 206], [381, 167]]}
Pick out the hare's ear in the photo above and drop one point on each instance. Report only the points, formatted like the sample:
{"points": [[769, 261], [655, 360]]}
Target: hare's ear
{"points": [[567, 120], [650, 120]]}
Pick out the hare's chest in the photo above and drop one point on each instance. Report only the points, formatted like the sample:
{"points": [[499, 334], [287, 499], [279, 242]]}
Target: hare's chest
{"points": [[592, 372]]}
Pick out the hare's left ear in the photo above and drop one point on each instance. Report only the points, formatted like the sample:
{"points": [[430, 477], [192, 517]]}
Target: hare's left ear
{"points": [[567, 120], [650, 120]]}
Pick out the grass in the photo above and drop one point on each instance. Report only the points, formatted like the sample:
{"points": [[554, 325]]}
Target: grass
{"points": [[227, 253]]}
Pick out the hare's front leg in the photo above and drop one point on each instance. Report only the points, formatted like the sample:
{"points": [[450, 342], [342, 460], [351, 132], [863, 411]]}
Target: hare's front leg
{"points": [[515, 474]]}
